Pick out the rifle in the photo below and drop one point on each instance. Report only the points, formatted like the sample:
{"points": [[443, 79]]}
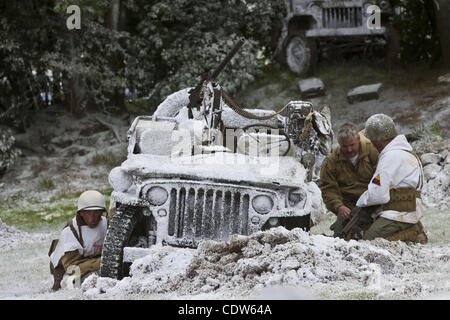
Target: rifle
{"points": [[349, 226], [195, 98], [359, 213]]}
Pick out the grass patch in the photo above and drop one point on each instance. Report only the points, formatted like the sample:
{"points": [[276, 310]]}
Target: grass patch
{"points": [[426, 139], [421, 131], [108, 159], [46, 184], [38, 218], [36, 215]]}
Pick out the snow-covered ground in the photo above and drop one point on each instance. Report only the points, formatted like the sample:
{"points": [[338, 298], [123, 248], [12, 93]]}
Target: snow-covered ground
{"points": [[323, 266], [39, 194], [275, 264]]}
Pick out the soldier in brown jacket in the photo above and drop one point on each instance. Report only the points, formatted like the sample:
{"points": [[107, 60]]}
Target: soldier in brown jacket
{"points": [[346, 173]]}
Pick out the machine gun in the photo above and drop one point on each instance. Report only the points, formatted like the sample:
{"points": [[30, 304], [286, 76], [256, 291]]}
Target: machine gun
{"points": [[195, 98]]}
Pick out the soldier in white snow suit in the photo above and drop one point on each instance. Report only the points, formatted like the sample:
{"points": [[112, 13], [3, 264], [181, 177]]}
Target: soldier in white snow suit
{"points": [[77, 253], [395, 185]]}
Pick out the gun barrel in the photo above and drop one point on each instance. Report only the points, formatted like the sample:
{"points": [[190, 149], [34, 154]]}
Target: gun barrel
{"points": [[194, 94], [227, 59]]}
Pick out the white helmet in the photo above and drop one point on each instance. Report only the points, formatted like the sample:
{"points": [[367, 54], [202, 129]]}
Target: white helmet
{"points": [[91, 200]]}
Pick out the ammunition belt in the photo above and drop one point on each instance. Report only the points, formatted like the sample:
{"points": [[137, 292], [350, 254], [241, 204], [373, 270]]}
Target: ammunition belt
{"points": [[247, 114]]}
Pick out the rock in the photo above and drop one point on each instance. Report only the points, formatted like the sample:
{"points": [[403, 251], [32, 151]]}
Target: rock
{"points": [[445, 79], [446, 157], [311, 87], [446, 169], [430, 158], [444, 180], [363, 93], [430, 171]]}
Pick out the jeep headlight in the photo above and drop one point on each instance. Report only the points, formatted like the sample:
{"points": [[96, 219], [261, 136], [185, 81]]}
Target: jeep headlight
{"points": [[262, 204], [119, 179], [296, 196], [157, 196]]}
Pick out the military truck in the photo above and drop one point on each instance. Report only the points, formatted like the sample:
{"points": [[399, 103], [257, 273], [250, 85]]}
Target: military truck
{"points": [[326, 27]]}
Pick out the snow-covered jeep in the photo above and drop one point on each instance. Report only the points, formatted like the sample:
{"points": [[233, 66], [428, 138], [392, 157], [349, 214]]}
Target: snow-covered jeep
{"points": [[329, 26], [224, 171]]}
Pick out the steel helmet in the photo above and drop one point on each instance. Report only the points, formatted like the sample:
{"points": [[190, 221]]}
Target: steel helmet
{"points": [[380, 127], [91, 200]]}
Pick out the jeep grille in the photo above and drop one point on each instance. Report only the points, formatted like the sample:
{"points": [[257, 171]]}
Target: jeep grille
{"points": [[201, 213], [345, 17]]}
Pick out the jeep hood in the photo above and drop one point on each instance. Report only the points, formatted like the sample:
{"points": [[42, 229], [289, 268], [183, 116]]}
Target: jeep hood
{"points": [[224, 167]]}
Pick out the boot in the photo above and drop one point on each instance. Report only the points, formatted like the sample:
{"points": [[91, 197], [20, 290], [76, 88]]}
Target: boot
{"points": [[415, 234], [421, 235]]}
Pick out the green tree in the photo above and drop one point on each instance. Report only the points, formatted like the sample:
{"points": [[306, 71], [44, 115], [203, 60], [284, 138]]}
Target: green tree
{"points": [[25, 37], [151, 48], [442, 10], [182, 40], [417, 28]]}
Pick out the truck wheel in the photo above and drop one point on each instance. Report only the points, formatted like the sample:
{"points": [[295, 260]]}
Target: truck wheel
{"points": [[301, 55], [117, 237]]}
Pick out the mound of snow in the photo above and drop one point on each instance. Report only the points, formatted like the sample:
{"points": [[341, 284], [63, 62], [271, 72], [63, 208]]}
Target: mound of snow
{"points": [[11, 236], [274, 258]]}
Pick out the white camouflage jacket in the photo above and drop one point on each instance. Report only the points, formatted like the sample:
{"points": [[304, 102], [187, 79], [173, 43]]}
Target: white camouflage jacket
{"points": [[397, 168], [93, 241]]}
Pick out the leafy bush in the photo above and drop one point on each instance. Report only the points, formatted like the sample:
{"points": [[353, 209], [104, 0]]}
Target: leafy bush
{"points": [[156, 48], [416, 25]]}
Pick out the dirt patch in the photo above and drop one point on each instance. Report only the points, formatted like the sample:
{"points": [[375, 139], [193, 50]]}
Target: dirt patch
{"points": [[89, 131]]}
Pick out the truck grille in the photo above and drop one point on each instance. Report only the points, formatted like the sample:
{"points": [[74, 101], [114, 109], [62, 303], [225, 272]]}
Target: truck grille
{"points": [[202, 213], [345, 17]]}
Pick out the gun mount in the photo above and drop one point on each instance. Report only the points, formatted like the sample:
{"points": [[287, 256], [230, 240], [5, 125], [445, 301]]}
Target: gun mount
{"points": [[195, 95]]}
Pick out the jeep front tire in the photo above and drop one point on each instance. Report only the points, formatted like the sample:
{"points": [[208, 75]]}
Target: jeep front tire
{"points": [[117, 237]]}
